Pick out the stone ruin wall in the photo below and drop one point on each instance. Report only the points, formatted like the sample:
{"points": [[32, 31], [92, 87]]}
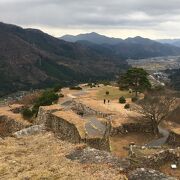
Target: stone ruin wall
{"points": [[98, 143], [131, 127], [44, 114], [174, 139], [127, 127], [158, 159], [8, 126], [82, 109], [63, 129], [68, 131]]}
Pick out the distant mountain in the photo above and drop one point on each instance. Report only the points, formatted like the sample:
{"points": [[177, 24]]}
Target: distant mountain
{"points": [[138, 48], [93, 38], [30, 58], [174, 42], [135, 48]]}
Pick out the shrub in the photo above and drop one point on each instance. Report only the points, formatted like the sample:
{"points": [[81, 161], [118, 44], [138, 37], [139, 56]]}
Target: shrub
{"points": [[75, 88], [27, 113], [91, 85], [57, 88], [106, 83], [134, 99], [127, 106], [61, 95], [107, 92], [47, 98], [122, 100]]}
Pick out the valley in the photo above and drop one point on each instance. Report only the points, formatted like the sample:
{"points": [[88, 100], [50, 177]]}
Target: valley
{"points": [[156, 64]]}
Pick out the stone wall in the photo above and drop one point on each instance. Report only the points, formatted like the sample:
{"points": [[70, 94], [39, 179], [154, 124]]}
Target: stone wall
{"points": [[29, 131], [174, 139], [8, 126], [63, 129], [69, 127], [158, 159], [82, 109], [130, 127], [98, 143], [44, 113]]}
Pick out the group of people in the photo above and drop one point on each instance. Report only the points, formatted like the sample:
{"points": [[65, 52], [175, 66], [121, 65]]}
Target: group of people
{"points": [[107, 101]]}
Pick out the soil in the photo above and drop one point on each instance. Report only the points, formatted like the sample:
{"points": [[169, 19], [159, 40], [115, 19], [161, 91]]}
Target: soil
{"points": [[166, 168], [119, 144]]}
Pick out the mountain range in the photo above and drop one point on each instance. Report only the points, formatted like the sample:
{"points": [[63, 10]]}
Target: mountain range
{"points": [[30, 58], [174, 42], [101, 39], [134, 48], [93, 38]]}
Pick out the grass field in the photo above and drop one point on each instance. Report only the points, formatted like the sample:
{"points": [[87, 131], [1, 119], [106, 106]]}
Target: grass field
{"points": [[114, 93]]}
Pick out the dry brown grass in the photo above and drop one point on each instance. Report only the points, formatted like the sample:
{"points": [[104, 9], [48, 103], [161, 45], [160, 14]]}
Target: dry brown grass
{"points": [[166, 168], [43, 157], [6, 111], [30, 99], [119, 142]]}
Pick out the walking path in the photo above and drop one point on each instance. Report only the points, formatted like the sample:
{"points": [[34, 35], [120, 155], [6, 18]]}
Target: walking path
{"points": [[161, 141]]}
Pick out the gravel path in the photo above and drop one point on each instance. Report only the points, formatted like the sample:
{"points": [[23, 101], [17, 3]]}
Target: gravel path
{"points": [[160, 141]]}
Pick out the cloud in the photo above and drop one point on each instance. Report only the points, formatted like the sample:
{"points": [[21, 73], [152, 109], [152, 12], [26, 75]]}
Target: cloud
{"points": [[93, 14]]}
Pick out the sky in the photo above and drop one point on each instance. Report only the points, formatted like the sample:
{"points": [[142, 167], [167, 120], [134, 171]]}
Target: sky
{"points": [[155, 19]]}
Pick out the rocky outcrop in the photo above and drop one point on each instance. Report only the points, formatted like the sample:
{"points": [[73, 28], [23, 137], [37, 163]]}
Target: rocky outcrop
{"points": [[148, 174], [9, 125], [29, 131], [94, 156], [44, 113]]}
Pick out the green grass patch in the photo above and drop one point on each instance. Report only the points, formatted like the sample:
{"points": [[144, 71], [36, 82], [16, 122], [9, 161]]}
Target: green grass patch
{"points": [[114, 93]]}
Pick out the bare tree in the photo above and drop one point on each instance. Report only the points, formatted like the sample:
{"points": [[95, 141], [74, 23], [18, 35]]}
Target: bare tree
{"points": [[156, 107]]}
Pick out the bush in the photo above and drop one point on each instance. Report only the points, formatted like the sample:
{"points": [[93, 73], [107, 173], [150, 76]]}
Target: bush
{"points": [[122, 100], [47, 98], [75, 88], [57, 88], [106, 83], [61, 95], [134, 99], [107, 92], [127, 106], [27, 113], [91, 85]]}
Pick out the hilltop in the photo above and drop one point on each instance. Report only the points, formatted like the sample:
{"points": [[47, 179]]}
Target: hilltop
{"points": [[30, 58]]}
